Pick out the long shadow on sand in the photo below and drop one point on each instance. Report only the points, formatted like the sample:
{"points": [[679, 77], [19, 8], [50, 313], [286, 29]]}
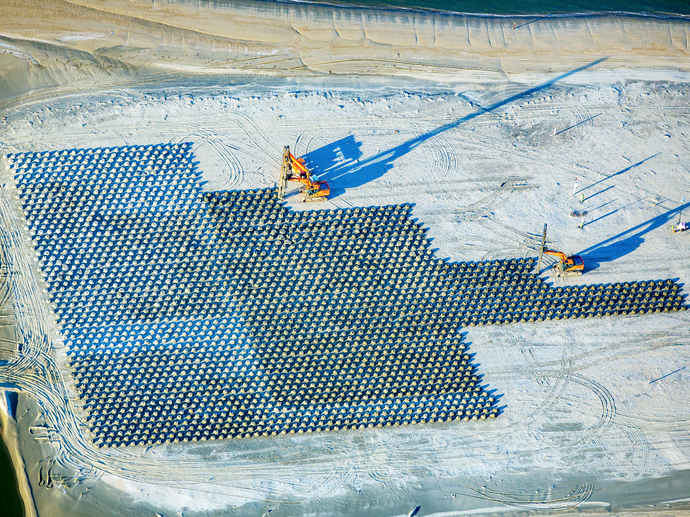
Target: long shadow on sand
{"points": [[618, 173], [627, 241], [350, 173]]}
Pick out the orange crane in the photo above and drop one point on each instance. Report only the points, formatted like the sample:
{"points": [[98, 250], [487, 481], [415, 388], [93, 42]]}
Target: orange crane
{"points": [[566, 266], [294, 169]]}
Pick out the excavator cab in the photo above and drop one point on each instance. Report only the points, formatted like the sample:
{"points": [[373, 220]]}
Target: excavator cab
{"points": [[317, 191]]}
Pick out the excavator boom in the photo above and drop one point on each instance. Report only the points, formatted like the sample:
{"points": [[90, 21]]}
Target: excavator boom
{"points": [[566, 266], [299, 165], [555, 253]]}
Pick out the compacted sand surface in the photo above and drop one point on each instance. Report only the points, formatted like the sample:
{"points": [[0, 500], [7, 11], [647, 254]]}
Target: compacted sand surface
{"points": [[490, 132]]}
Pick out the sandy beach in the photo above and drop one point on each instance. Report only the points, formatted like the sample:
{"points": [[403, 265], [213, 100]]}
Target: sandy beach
{"points": [[490, 127]]}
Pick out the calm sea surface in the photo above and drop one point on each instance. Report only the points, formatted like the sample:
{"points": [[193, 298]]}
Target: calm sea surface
{"points": [[10, 501], [530, 7]]}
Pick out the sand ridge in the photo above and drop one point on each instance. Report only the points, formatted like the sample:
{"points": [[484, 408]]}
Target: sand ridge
{"points": [[282, 39]]}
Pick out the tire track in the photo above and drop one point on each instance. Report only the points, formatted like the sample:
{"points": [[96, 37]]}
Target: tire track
{"points": [[677, 332], [560, 385], [487, 204], [639, 442], [441, 158], [577, 495], [608, 404], [235, 171]]}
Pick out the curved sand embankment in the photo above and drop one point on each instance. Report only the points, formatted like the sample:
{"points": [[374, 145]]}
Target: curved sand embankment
{"points": [[254, 37]]}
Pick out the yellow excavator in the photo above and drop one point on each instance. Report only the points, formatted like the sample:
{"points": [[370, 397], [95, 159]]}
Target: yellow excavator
{"points": [[294, 169], [566, 266]]}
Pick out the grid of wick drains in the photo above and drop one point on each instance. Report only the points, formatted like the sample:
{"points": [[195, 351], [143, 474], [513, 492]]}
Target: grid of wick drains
{"points": [[193, 316]]}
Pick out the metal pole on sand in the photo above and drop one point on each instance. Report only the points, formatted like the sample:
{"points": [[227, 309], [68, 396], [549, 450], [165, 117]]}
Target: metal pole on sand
{"points": [[681, 209], [541, 249]]}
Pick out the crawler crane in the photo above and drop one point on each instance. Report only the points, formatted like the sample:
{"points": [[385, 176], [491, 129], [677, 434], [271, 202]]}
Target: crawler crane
{"points": [[566, 266], [294, 169]]}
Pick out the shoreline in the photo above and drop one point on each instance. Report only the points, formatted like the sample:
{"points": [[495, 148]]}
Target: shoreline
{"points": [[430, 10], [8, 434]]}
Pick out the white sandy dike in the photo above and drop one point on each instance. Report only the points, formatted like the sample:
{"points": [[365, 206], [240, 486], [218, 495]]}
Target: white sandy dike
{"points": [[258, 37]]}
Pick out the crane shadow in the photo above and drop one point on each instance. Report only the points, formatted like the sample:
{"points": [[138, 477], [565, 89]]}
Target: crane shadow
{"points": [[611, 212], [336, 155], [342, 173], [600, 192], [531, 21], [603, 216]]}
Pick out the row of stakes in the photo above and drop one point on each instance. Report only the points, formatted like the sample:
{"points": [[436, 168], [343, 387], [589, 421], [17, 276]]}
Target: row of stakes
{"points": [[495, 308], [130, 436], [180, 340], [27, 162]]}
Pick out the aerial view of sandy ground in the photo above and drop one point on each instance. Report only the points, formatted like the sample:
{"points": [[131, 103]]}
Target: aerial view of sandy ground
{"points": [[469, 298]]}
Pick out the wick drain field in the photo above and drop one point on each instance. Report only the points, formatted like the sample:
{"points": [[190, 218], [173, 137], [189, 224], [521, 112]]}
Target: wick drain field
{"points": [[194, 316]]}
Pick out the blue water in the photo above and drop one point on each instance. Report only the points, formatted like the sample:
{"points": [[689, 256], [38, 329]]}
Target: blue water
{"points": [[530, 7], [11, 504]]}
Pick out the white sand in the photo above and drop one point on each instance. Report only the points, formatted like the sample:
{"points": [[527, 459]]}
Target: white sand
{"points": [[583, 427]]}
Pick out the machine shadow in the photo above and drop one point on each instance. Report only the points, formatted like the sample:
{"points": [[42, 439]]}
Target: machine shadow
{"points": [[339, 164], [327, 160]]}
